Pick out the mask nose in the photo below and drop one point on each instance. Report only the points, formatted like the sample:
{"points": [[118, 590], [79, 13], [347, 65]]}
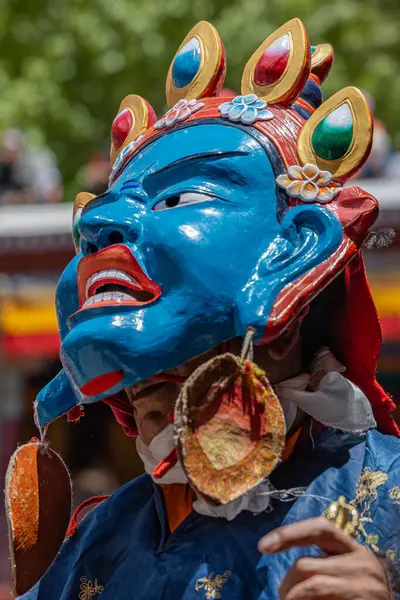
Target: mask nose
{"points": [[98, 232]]}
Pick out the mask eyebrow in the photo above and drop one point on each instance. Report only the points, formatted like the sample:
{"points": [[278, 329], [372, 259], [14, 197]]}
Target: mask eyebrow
{"points": [[194, 157], [150, 176]]}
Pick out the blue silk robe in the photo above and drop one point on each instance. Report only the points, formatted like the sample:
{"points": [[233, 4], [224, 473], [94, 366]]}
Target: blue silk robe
{"points": [[123, 549]]}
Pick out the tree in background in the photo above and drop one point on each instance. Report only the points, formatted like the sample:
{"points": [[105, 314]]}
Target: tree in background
{"points": [[67, 64]]}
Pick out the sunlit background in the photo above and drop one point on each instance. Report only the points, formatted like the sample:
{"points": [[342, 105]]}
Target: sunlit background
{"points": [[64, 68]]}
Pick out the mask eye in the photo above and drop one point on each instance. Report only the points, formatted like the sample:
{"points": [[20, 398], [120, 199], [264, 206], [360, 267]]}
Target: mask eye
{"points": [[181, 200]]}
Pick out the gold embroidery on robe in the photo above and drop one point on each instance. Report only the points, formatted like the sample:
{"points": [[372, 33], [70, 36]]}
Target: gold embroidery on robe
{"points": [[212, 585], [89, 589], [366, 494], [394, 494]]}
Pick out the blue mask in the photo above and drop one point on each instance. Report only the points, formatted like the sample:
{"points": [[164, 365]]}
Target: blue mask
{"points": [[198, 214], [201, 233]]}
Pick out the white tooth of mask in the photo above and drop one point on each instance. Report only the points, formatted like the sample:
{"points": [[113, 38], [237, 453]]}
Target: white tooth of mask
{"points": [[122, 275], [132, 280], [127, 278], [88, 302], [126, 297], [97, 276]]}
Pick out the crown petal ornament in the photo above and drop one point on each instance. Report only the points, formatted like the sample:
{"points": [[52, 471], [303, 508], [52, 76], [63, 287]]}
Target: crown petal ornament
{"points": [[280, 67], [309, 184], [178, 113], [198, 67], [134, 117], [247, 109]]}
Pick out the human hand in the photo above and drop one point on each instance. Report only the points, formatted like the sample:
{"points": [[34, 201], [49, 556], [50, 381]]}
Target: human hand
{"points": [[349, 571]]}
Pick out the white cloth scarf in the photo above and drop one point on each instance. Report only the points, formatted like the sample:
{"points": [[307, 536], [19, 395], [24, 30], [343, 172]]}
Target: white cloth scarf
{"points": [[323, 394], [327, 396]]}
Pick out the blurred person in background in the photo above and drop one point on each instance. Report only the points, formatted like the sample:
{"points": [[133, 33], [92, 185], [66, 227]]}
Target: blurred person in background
{"points": [[15, 173], [46, 182], [27, 175], [96, 173]]}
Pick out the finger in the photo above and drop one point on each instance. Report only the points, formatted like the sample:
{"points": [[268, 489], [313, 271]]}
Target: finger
{"points": [[319, 532], [320, 587], [307, 567]]}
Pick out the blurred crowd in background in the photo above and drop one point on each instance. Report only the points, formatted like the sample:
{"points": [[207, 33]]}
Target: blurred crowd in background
{"points": [[30, 175]]}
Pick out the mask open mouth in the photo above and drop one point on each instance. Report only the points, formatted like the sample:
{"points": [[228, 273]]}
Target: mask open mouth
{"points": [[114, 277], [114, 285]]}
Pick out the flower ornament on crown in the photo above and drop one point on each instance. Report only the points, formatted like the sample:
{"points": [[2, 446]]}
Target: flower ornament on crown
{"points": [[246, 109], [309, 184], [179, 113]]}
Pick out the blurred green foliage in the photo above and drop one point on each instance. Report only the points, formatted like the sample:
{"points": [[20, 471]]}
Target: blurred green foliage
{"points": [[66, 64]]}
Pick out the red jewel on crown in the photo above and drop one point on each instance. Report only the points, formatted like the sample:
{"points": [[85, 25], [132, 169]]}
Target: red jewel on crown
{"points": [[121, 127], [273, 62]]}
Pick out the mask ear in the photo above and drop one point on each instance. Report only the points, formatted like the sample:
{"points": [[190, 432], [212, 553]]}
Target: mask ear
{"points": [[278, 70], [307, 237], [198, 67], [338, 136]]}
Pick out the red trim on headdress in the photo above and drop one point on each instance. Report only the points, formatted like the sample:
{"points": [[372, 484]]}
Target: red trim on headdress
{"points": [[215, 85], [296, 295], [303, 104]]}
